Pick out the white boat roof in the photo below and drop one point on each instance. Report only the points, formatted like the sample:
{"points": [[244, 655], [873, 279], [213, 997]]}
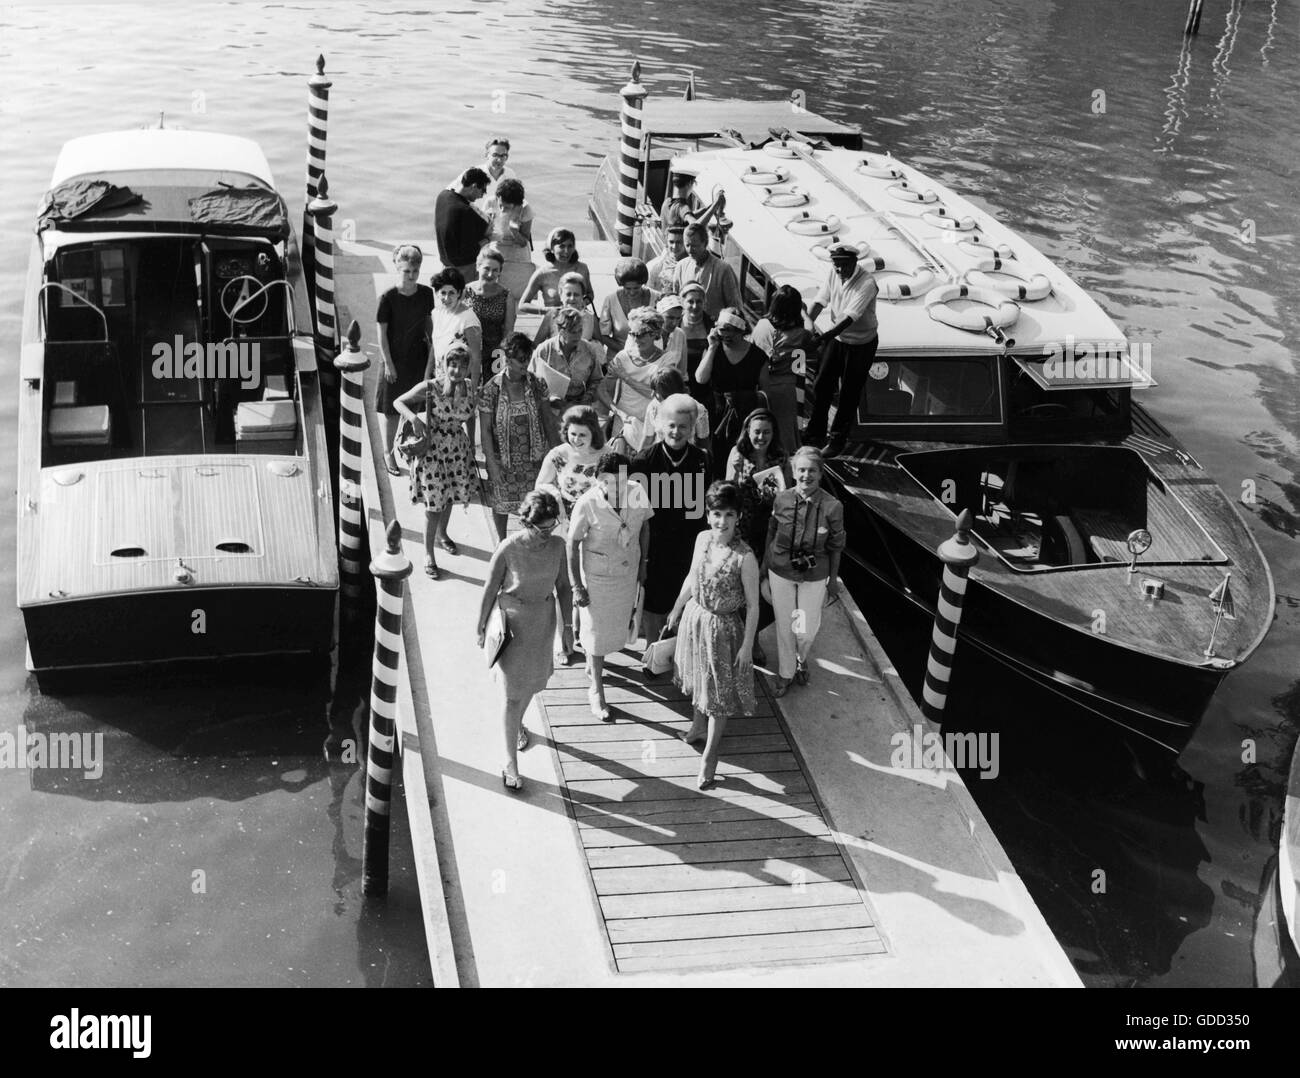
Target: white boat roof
{"points": [[160, 149], [896, 231]]}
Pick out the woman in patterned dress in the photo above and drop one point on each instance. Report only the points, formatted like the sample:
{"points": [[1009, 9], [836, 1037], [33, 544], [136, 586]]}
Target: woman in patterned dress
{"points": [[491, 303], [608, 543], [522, 577], [442, 477], [519, 429], [783, 336], [714, 658], [569, 471]]}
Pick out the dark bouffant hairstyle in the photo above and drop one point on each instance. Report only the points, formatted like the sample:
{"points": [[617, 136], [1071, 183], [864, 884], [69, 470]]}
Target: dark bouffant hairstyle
{"points": [[630, 271], [560, 235], [449, 276], [520, 342], [723, 494], [786, 309], [666, 382], [612, 463], [583, 415], [537, 506], [511, 192]]}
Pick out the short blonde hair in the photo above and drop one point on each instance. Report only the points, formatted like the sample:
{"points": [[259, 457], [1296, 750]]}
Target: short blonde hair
{"points": [[678, 404], [643, 318], [493, 252], [408, 253], [812, 453]]}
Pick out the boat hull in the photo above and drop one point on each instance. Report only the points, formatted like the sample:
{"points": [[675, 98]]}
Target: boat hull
{"points": [[193, 623]]}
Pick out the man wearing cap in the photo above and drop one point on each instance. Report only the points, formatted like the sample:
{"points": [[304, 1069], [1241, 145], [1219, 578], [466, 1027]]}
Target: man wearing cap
{"points": [[661, 269], [848, 347], [703, 267], [684, 205], [460, 230]]}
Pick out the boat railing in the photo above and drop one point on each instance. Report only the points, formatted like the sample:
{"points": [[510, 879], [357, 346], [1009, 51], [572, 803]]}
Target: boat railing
{"points": [[76, 296]]}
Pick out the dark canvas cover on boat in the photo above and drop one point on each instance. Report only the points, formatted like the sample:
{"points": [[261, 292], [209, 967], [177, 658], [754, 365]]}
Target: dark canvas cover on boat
{"points": [[241, 209], [76, 198]]}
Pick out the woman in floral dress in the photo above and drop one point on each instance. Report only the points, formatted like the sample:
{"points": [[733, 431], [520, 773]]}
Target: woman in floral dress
{"points": [[442, 477], [519, 429], [491, 303], [718, 612]]}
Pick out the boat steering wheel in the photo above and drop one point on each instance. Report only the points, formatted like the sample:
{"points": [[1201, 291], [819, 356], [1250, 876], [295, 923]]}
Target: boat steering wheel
{"points": [[240, 301]]}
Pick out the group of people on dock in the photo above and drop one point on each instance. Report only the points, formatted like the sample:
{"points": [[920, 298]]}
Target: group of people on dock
{"points": [[648, 449]]}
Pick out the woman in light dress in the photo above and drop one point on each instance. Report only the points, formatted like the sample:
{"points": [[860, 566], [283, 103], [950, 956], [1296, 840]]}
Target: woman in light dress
{"points": [[512, 234], [626, 391], [630, 274], [716, 615], [573, 296], [522, 576], [544, 289], [608, 543]]}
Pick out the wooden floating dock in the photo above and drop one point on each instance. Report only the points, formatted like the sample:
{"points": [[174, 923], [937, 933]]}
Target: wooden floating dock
{"points": [[812, 863]]}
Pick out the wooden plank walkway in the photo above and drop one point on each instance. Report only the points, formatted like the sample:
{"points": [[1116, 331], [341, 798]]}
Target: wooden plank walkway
{"points": [[745, 874]]}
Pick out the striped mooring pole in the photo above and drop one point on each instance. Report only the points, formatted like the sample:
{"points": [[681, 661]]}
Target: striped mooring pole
{"points": [[390, 569], [318, 110], [1193, 17], [351, 363], [321, 210], [629, 160], [958, 554]]}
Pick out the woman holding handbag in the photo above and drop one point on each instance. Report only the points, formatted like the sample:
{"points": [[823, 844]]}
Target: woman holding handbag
{"points": [[442, 476], [715, 640], [525, 570]]}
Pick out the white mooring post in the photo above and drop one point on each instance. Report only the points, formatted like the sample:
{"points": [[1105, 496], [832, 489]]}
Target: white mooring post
{"points": [[958, 555], [351, 364], [629, 160], [390, 569], [318, 109]]}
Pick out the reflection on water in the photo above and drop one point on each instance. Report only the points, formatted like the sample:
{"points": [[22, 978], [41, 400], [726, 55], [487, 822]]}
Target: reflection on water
{"points": [[1159, 172]]}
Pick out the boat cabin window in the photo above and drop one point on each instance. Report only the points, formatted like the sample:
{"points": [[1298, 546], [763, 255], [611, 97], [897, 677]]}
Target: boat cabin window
{"points": [[961, 390], [1034, 413], [755, 289]]}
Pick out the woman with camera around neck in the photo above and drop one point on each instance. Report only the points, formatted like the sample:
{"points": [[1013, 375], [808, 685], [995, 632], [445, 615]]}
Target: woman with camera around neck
{"points": [[805, 538]]}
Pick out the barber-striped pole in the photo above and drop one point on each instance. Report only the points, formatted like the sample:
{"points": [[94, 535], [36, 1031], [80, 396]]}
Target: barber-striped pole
{"points": [[351, 363], [629, 162], [958, 554], [390, 569], [318, 109], [321, 210]]}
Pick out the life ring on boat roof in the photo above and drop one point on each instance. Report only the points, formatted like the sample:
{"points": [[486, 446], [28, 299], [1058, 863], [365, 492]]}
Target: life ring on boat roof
{"points": [[821, 250], [782, 148], [1004, 311], [941, 218], [805, 224], [1008, 281], [765, 176], [919, 282], [880, 168], [791, 196], [902, 190], [977, 248]]}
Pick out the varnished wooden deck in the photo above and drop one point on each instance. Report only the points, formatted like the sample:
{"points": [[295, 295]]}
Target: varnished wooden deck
{"points": [[745, 874]]}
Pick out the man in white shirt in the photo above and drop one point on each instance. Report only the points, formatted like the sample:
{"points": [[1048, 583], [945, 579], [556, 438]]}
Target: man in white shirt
{"points": [[662, 269], [848, 347]]}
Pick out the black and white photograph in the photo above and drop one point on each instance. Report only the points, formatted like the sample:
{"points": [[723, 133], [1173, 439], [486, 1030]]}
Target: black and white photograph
{"points": [[636, 494]]}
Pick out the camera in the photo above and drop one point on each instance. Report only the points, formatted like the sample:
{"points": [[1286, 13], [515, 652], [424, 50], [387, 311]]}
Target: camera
{"points": [[803, 562]]}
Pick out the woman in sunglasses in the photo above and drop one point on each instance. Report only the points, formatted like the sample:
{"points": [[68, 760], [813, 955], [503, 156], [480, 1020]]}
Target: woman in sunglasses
{"points": [[522, 577]]}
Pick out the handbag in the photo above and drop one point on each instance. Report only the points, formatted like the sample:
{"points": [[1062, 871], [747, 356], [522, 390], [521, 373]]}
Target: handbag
{"points": [[658, 657], [497, 637], [634, 626], [407, 442]]}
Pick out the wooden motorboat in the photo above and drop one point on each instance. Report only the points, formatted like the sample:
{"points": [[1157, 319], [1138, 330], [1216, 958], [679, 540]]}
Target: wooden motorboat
{"points": [[174, 495]]}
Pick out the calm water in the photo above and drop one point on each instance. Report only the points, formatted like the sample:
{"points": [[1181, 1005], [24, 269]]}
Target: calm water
{"points": [[1162, 178]]}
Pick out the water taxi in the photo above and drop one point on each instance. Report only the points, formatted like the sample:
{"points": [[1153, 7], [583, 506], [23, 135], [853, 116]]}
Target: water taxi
{"points": [[174, 494], [1113, 569]]}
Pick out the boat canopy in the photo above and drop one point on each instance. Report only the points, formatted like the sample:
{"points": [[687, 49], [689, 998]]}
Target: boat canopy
{"points": [[923, 242], [754, 120], [160, 149]]}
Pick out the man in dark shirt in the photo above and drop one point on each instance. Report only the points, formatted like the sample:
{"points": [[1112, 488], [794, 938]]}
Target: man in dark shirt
{"points": [[460, 230]]}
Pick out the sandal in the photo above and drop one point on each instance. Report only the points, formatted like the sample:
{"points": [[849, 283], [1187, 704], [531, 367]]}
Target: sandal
{"points": [[449, 545], [513, 787], [521, 742], [801, 671], [392, 467], [706, 782]]}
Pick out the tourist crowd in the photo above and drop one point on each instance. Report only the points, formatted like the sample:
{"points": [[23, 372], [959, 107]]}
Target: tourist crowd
{"points": [[595, 433]]}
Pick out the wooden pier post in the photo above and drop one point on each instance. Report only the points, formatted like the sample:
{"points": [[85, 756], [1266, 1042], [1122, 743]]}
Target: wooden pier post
{"points": [[1193, 18], [958, 554], [629, 162], [318, 108], [321, 210], [351, 364], [390, 569]]}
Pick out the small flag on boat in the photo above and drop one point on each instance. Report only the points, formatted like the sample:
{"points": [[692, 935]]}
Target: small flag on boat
{"points": [[1221, 599], [689, 93]]}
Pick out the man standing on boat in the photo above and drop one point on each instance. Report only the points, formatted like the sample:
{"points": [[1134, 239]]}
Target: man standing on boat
{"points": [[848, 347], [703, 267], [459, 228]]}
